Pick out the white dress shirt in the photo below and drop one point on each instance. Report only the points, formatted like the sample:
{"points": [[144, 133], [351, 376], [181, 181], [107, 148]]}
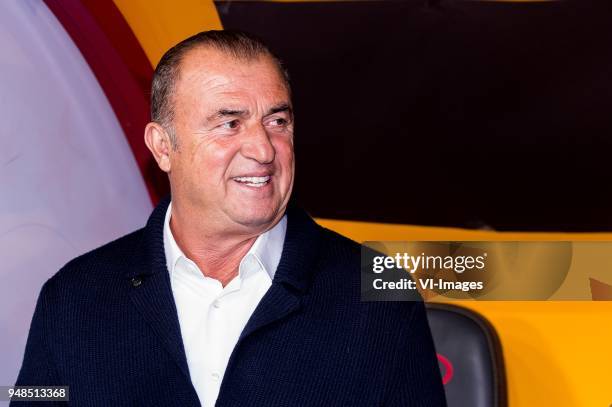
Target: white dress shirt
{"points": [[211, 316]]}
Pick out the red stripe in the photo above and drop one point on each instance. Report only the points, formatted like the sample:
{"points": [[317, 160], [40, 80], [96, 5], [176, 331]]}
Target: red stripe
{"points": [[121, 67], [448, 368]]}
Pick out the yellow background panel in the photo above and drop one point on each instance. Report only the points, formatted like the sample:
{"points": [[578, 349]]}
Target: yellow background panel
{"points": [[363, 231], [159, 24], [556, 353]]}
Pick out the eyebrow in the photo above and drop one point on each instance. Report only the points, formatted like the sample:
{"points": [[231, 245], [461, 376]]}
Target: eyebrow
{"points": [[224, 112], [283, 107]]}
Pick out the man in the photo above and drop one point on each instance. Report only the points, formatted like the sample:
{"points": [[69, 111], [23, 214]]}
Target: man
{"points": [[229, 295]]}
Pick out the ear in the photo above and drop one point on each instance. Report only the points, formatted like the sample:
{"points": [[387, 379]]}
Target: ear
{"points": [[157, 140]]}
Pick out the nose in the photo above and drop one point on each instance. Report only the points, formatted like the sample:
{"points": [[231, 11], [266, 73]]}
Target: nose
{"points": [[257, 145]]}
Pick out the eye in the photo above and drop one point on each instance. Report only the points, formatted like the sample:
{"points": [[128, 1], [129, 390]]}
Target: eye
{"points": [[278, 122], [232, 124]]}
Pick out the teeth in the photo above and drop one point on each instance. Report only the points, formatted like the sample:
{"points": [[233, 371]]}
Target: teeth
{"points": [[253, 181]]}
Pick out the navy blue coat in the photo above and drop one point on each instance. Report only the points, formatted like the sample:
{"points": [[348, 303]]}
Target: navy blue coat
{"points": [[106, 325]]}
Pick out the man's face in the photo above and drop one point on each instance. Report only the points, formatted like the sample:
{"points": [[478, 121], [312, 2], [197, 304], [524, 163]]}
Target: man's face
{"points": [[234, 164]]}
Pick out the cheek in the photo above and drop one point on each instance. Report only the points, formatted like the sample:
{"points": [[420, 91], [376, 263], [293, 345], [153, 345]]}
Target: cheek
{"points": [[216, 160], [284, 152]]}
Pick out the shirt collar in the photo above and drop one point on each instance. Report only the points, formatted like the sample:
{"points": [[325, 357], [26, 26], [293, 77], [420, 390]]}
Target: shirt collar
{"points": [[264, 254]]}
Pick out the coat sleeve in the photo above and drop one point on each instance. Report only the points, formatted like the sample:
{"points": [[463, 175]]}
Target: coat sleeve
{"points": [[37, 368], [415, 378]]}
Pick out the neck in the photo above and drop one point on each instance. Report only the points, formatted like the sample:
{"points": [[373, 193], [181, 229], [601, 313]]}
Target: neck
{"points": [[216, 253]]}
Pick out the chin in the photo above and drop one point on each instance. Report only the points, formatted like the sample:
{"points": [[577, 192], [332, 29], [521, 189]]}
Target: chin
{"points": [[255, 218]]}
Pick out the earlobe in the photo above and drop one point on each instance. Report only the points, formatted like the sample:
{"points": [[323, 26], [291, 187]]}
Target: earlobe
{"points": [[158, 141]]}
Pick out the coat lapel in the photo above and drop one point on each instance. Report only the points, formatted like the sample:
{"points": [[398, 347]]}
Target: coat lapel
{"points": [[151, 292], [276, 304], [153, 299], [291, 280], [293, 275]]}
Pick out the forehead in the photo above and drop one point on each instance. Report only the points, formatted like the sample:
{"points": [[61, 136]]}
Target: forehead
{"points": [[208, 74]]}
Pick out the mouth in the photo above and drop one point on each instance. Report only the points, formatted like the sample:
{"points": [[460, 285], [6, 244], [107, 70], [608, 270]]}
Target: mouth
{"points": [[256, 182]]}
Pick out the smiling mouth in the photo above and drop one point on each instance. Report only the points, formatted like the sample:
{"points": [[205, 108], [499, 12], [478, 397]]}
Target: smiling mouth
{"points": [[256, 182]]}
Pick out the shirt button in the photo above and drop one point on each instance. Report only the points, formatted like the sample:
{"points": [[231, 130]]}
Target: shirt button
{"points": [[216, 304], [215, 376]]}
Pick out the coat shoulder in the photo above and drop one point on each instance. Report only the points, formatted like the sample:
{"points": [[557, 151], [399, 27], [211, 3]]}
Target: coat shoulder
{"points": [[340, 262], [108, 261], [339, 246]]}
